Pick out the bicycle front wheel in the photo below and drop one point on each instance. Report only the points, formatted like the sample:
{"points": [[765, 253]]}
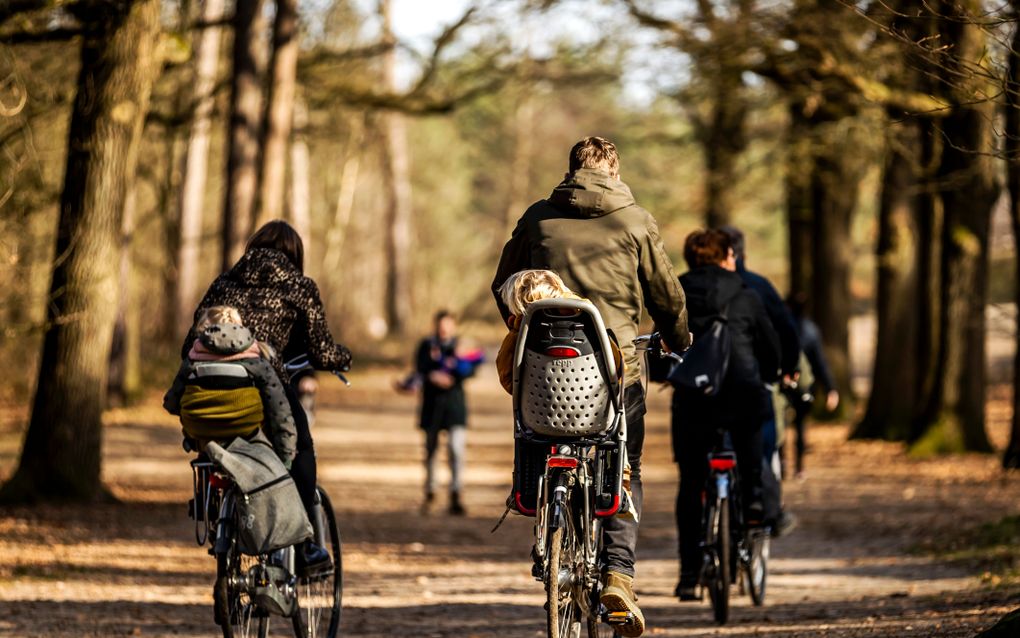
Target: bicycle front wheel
{"points": [[319, 596]]}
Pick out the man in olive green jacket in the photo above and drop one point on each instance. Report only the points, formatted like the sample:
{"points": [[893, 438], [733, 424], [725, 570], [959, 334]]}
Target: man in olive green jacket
{"points": [[606, 248]]}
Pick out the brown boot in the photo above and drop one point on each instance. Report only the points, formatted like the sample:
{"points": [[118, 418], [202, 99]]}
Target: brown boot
{"points": [[618, 595]]}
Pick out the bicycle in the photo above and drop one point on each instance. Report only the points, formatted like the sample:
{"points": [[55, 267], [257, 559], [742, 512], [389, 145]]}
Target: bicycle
{"points": [[574, 419], [250, 589], [730, 548]]}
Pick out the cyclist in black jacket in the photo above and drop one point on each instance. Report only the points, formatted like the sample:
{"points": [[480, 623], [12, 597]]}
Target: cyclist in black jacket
{"points": [[742, 404]]}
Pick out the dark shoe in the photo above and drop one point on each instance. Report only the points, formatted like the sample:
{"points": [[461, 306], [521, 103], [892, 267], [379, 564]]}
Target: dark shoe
{"points": [[312, 560], [755, 513], [784, 524], [686, 593], [426, 505], [618, 596], [456, 508]]}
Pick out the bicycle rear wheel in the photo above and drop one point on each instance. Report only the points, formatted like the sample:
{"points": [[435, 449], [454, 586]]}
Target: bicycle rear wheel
{"points": [[717, 568], [239, 616], [320, 596], [757, 567], [562, 611]]}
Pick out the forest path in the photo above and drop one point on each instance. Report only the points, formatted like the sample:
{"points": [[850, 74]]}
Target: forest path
{"points": [[847, 570]]}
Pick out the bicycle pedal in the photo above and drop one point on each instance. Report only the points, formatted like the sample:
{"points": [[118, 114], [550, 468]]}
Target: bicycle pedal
{"points": [[618, 617]]}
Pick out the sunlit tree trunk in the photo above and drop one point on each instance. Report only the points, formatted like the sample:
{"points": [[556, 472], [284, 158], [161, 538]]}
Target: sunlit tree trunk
{"points": [[61, 456], [244, 130], [723, 140], [338, 229], [125, 356], [279, 111], [397, 178], [196, 167], [300, 194]]}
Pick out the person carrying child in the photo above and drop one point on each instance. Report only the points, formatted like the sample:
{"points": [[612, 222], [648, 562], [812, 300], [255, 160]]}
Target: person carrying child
{"points": [[226, 387]]}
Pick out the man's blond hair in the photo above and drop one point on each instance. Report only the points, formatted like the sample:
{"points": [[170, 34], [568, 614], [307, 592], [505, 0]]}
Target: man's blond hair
{"points": [[597, 153], [527, 286]]}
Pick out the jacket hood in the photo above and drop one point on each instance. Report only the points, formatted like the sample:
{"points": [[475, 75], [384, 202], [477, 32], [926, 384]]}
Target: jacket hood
{"points": [[710, 287], [263, 267], [226, 339], [591, 193]]}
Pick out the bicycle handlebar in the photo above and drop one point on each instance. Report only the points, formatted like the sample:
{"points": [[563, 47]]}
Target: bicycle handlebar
{"points": [[301, 363]]}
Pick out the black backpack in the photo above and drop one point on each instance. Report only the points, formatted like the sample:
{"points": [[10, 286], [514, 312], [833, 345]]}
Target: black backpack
{"points": [[705, 363]]}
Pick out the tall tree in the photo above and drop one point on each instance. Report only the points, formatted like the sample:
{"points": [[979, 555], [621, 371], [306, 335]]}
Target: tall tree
{"points": [[61, 456], [279, 111], [196, 165], [906, 236], [952, 416], [245, 128], [397, 177], [1011, 458], [719, 38]]}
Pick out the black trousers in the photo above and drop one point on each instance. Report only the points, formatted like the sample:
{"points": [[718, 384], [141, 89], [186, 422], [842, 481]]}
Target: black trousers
{"points": [[620, 535], [304, 470], [694, 436]]}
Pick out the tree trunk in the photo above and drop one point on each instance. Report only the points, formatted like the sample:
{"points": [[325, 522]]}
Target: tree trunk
{"points": [[300, 194], [397, 178], [245, 127], [279, 111], [723, 143], [61, 456], [1011, 458], [895, 377], [799, 206], [954, 417], [834, 188], [196, 164], [337, 234], [125, 359]]}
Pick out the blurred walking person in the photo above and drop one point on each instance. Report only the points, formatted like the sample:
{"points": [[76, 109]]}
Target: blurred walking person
{"points": [[443, 408], [820, 379]]}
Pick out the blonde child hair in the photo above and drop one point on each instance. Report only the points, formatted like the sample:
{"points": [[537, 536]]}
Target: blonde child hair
{"points": [[217, 315], [526, 286], [214, 315]]}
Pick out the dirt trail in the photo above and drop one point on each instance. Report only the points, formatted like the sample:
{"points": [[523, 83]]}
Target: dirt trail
{"points": [[847, 570]]}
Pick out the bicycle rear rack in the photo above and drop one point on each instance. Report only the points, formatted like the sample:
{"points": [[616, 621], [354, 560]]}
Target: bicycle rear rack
{"points": [[200, 472]]}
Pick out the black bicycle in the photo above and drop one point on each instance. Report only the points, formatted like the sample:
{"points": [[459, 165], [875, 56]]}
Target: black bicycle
{"points": [[251, 589], [730, 547]]}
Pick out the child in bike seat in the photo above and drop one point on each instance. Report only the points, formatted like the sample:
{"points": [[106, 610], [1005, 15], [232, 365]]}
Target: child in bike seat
{"points": [[227, 387], [518, 292]]}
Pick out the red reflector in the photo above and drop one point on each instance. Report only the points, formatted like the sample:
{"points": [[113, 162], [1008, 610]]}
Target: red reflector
{"points": [[722, 464], [218, 482], [562, 461], [563, 352]]}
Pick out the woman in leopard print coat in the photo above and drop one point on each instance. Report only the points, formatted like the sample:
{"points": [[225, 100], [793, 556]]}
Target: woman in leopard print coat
{"points": [[280, 306]]}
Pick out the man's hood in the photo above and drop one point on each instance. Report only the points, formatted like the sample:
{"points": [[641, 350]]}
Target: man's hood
{"points": [[591, 193], [226, 338], [263, 267]]}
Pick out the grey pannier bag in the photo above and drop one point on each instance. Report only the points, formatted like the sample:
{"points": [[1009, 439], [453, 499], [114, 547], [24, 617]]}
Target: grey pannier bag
{"points": [[270, 514]]}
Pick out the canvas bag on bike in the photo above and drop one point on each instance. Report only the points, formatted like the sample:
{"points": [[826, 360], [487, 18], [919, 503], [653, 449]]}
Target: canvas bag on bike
{"points": [[270, 514], [705, 363]]}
